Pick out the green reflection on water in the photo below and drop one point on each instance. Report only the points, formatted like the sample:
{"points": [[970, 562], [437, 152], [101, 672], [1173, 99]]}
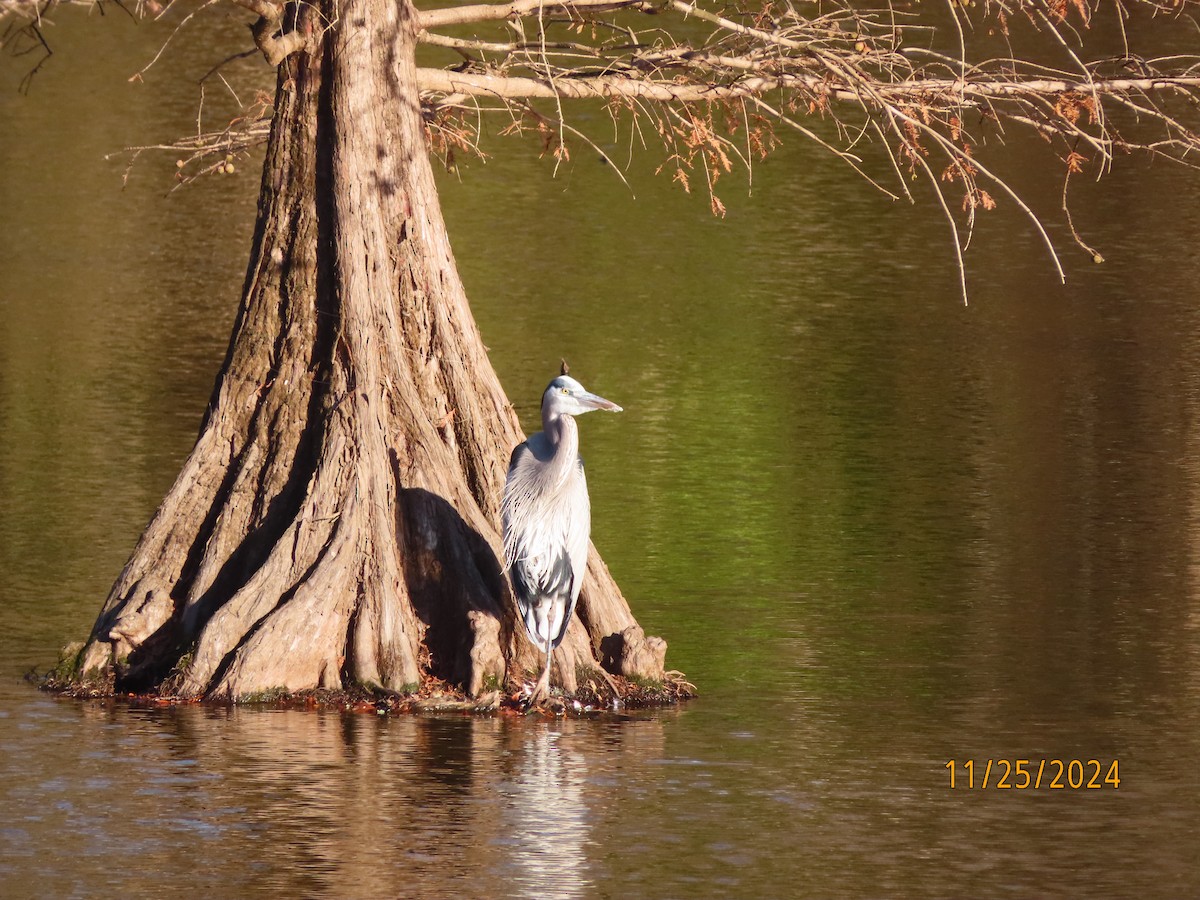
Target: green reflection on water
{"points": [[767, 375], [115, 308]]}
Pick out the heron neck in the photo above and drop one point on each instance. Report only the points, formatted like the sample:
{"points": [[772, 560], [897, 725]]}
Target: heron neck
{"points": [[564, 435]]}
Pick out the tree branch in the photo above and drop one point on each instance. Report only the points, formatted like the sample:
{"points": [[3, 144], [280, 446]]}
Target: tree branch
{"points": [[490, 12], [276, 44], [928, 90], [691, 9], [511, 87]]}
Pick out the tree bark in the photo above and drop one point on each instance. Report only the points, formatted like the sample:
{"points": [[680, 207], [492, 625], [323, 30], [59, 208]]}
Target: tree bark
{"points": [[334, 523]]}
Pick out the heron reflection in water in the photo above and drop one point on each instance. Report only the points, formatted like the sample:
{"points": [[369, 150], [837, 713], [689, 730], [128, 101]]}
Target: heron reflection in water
{"points": [[546, 516]]}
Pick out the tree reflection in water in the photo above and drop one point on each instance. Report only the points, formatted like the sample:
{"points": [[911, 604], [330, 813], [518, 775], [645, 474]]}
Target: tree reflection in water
{"points": [[326, 804]]}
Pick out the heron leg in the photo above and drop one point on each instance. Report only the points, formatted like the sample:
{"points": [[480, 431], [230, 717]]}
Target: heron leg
{"points": [[541, 690]]}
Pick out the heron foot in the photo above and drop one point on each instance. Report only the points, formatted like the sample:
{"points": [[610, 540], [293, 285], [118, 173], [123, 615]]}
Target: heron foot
{"points": [[541, 691]]}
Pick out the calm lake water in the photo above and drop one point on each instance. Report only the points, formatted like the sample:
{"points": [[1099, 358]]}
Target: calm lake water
{"points": [[880, 530]]}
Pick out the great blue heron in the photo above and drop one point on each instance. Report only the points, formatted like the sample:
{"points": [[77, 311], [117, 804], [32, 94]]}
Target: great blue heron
{"points": [[547, 518]]}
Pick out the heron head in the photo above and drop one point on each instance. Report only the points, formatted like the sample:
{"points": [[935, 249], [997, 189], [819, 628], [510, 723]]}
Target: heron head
{"points": [[566, 396]]}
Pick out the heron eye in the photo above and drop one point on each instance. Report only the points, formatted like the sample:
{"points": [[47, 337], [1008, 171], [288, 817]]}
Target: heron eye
{"points": [[566, 390]]}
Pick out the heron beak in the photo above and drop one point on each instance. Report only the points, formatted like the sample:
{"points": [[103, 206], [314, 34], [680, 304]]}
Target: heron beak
{"points": [[595, 401]]}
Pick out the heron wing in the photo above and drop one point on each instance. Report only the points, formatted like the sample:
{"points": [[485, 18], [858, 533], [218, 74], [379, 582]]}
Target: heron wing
{"points": [[545, 591]]}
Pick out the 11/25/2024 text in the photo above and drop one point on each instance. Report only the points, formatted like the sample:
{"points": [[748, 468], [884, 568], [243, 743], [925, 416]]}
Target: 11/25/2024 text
{"points": [[1033, 774]]}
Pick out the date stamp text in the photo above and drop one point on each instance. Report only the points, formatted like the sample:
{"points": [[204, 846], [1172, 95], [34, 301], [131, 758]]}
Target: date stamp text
{"points": [[1034, 774]]}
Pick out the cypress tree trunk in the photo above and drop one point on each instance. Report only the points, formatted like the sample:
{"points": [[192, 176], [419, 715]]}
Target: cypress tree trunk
{"points": [[335, 522]]}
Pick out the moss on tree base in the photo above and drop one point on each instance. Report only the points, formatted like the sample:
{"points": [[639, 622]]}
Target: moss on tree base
{"points": [[593, 697]]}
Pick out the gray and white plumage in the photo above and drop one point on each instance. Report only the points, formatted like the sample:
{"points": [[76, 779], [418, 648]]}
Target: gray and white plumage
{"points": [[546, 517]]}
